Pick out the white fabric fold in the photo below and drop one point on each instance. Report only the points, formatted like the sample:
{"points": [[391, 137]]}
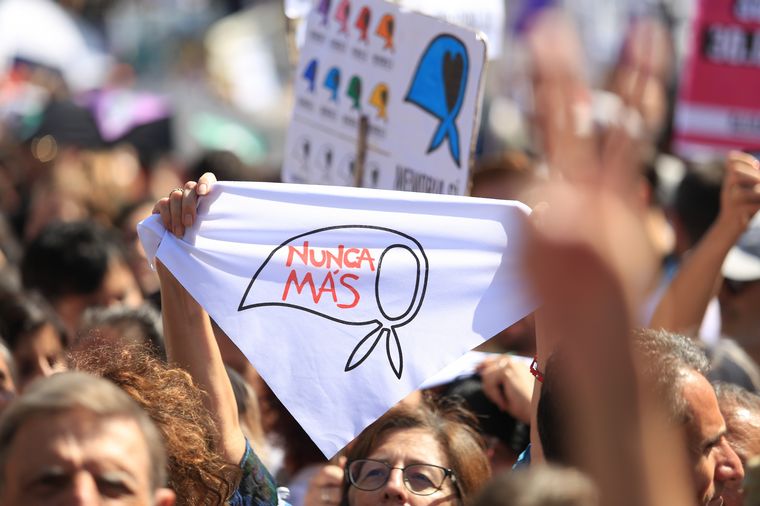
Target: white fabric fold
{"points": [[346, 300]]}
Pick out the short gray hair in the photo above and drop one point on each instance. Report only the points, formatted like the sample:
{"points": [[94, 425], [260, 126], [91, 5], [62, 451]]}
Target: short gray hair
{"points": [[77, 390], [730, 394], [667, 358]]}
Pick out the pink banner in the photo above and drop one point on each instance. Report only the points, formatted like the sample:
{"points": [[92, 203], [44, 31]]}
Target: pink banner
{"points": [[719, 100]]}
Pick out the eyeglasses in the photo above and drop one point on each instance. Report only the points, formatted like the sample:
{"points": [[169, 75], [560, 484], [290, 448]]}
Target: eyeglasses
{"points": [[419, 479]]}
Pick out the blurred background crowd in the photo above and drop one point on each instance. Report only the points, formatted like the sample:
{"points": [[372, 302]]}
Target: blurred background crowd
{"points": [[108, 105]]}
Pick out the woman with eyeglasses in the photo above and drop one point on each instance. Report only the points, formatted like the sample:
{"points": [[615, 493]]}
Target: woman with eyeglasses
{"points": [[416, 455]]}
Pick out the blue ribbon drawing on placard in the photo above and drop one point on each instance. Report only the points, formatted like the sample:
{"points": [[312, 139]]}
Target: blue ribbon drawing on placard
{"points": [[439, 86], [341, 273], [332, 83], [310, 74]]}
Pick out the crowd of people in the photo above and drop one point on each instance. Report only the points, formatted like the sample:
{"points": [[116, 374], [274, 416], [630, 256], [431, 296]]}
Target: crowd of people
{"points": [[644, 387]]}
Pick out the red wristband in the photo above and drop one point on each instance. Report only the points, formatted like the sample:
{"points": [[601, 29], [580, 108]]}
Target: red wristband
{"points": [[534, 370]]}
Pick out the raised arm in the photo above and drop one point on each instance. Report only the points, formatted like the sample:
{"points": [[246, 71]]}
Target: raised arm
{"points": [[190, 341], [590, 263], [591, 196], [683, 306]]}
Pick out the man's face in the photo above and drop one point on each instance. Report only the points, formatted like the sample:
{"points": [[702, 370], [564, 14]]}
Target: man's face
{"points": [[78, 458], [39, 354], [716, 467]]}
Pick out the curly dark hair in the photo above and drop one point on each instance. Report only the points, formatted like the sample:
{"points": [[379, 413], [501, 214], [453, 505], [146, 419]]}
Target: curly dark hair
{"points": [[197, 472]]}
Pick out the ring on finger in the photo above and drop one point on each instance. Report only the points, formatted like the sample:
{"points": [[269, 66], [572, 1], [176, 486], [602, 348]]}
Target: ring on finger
{"points": [[176, 190]]}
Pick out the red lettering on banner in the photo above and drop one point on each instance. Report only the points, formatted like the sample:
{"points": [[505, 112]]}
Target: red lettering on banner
{"points": [[355, 263], [344, 294], [352, 258], [366, 256], [328, 285], [335, 259], [293, 278], [343, 282], [304, 255]]}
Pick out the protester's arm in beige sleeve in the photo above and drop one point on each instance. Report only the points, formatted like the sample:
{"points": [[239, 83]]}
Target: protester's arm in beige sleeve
{"points": [[683, 305]]}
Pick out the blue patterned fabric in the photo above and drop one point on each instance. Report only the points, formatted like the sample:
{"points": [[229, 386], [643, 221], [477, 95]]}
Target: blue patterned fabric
{"points": [[257, 487]]}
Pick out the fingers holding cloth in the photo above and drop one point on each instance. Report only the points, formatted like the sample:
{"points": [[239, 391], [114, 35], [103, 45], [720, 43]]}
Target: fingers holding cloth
{"points": [[178, 210]]}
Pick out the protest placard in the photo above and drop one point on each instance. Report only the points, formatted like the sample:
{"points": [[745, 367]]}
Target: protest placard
{"points": [[346, 300], [486, 16], [718, 105], [416, 80]]}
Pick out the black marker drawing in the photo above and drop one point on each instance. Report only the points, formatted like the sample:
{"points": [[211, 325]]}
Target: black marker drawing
{"points": [[346, 169], [342, 273], [301, 158], [302, 151], [374, 172], [324, 160]]}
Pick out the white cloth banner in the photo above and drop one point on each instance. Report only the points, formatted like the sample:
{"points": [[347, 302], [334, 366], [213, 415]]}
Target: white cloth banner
{"points": [[346, 300]]}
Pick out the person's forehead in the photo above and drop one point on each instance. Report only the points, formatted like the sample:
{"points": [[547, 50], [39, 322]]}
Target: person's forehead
{"points": [[117, 275], [79, 437], [737, 415], [415, 445], [44, 339], [743, 431], [706, 421]]}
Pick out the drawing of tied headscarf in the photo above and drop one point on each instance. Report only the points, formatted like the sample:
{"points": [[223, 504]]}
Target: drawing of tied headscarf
{"points": [[388, 297], [354, 92], [324, 10], [332, 83], [379, 100], [362, 22], [310, 73], [342, 14], [439, 86], [385, 29]]}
